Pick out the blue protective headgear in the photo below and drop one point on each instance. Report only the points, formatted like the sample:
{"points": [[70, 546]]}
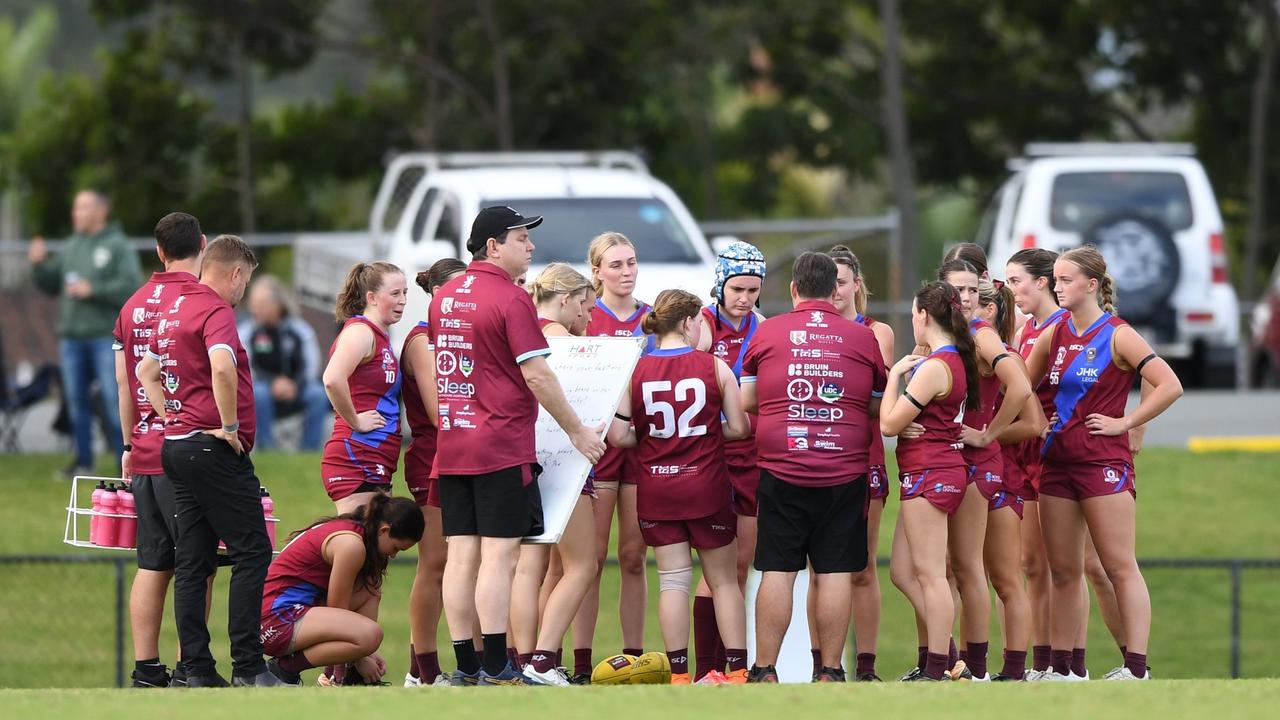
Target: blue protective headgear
{"points": [[740, 258]]}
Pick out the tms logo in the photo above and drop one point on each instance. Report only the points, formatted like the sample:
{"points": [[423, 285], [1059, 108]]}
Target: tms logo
{"points": [[450, 323], [664, 469]]}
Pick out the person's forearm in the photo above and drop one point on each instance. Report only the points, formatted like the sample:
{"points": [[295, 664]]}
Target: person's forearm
{"points": [[225, 384], [124, 399], [1010, 406], [339, 392]]}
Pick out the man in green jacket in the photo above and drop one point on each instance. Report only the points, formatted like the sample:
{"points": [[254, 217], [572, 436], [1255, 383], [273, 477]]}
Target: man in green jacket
{"points": [[95, 274]]}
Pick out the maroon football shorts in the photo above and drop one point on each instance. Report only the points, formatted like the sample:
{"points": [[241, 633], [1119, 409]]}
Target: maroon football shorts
{"points": [[277, 628], [705, 533], [1083, 480], [878, 484], [943, 487]]}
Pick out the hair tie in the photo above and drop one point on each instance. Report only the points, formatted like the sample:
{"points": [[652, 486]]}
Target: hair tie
{"points": [[998, 283]]}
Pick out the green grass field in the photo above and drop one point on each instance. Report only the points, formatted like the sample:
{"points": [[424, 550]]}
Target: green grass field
{"points": [[60, 618], [1167, 700]]}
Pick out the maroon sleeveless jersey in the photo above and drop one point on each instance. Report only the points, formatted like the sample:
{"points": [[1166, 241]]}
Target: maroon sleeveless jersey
{"points": [[1030, 333], [989, 398], [375, 385], [420, 457], [675, 407], [612, 465], [299, 575], [939, 446], [876, 457], [730, 345], [1087, 380]]}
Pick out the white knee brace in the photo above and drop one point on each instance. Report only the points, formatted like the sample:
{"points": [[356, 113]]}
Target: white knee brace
{"points": [[678, 580]]}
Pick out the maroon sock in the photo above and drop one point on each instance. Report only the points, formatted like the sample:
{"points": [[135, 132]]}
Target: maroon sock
{"points": [[1015, 664], [582, 661], [963, 656], [428, 666], [922, 656], [523, 659], [679, 661], [817, 660], [1137, 663], [513, 657], [1077, 662], [413, 662], [560, 657], [1060, 661], [294, 663], [542, 660], [328, 671], [705, 635], [736, 658], [634, 651], [339, 673], [1040, 657], [1124, 650], [935, 665], [976, 658], [953, 655], [866, 664]]}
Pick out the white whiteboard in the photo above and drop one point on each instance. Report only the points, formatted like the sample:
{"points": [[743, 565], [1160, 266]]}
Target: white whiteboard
{"points": [[594, 372]]}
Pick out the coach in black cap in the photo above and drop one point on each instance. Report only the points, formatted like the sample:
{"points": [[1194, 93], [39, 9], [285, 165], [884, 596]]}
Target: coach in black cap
{"points": [[494, 222], [492, 373]]}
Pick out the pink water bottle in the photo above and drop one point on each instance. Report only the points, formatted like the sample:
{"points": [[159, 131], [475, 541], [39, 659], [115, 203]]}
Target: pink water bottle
{"points": [[127, 535], [108, 528], [268, 508], [95, 520]]}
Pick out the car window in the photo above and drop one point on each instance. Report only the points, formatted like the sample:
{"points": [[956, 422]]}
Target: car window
{"points": [[570, 223], [1080, 199]]}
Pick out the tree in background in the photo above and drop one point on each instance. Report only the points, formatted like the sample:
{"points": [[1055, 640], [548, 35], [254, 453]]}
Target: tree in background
{"points": [[24, 54]]}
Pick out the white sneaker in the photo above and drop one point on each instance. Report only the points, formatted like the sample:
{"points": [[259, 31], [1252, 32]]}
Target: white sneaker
{"points": [[442, 680], [554, 676], [411, 682], [1076, 678], [1051, 676], [1034, 675], [1124, 673], [985, 677]]}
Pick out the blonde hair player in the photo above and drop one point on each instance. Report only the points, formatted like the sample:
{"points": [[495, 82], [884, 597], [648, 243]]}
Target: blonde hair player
{"points": [[617, 313]]}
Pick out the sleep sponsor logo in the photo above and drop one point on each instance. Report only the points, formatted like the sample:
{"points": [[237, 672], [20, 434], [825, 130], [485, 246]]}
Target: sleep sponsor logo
{"points": [[814, 413]]}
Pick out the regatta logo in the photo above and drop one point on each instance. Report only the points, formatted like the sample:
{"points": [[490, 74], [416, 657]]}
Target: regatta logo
{"points": [[799, 337], [446, 305], [139, 314]]}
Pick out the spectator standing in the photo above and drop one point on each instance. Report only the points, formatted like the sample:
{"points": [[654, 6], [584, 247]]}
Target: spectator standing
{"points": [[95, 274]]}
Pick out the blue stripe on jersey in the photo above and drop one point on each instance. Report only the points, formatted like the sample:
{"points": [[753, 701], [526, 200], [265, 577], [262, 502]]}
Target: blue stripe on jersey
{"points": [[916, 488], [746, 342], [1055, 317], [633, 316], [389, 408], [1071, 388], [672, 352], [300, 594], [1123, 481]]}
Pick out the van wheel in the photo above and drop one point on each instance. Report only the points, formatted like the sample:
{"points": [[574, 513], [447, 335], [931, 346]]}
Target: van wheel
{"points": [[1143, 260]]}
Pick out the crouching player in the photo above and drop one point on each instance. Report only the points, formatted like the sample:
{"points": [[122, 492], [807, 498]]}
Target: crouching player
{"points": [[321, 596]]}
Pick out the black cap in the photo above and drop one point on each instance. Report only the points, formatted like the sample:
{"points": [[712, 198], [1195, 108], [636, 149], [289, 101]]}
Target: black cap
{"points": [[495, 220]]}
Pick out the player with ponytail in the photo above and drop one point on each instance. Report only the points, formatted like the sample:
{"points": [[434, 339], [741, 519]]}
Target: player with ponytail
{"points": [[320, 600], [1088, 480], [941, 388], [362, 380], [672, 416], [421, 412]]}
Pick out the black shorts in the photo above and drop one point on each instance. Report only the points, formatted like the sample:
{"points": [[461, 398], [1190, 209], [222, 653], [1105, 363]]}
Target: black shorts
{"points": [[827, 526], [496, 504], [157, 521]]}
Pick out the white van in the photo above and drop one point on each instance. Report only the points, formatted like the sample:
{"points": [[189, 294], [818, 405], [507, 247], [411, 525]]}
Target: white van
{"points": [[427, 202], [1150, 210]]}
